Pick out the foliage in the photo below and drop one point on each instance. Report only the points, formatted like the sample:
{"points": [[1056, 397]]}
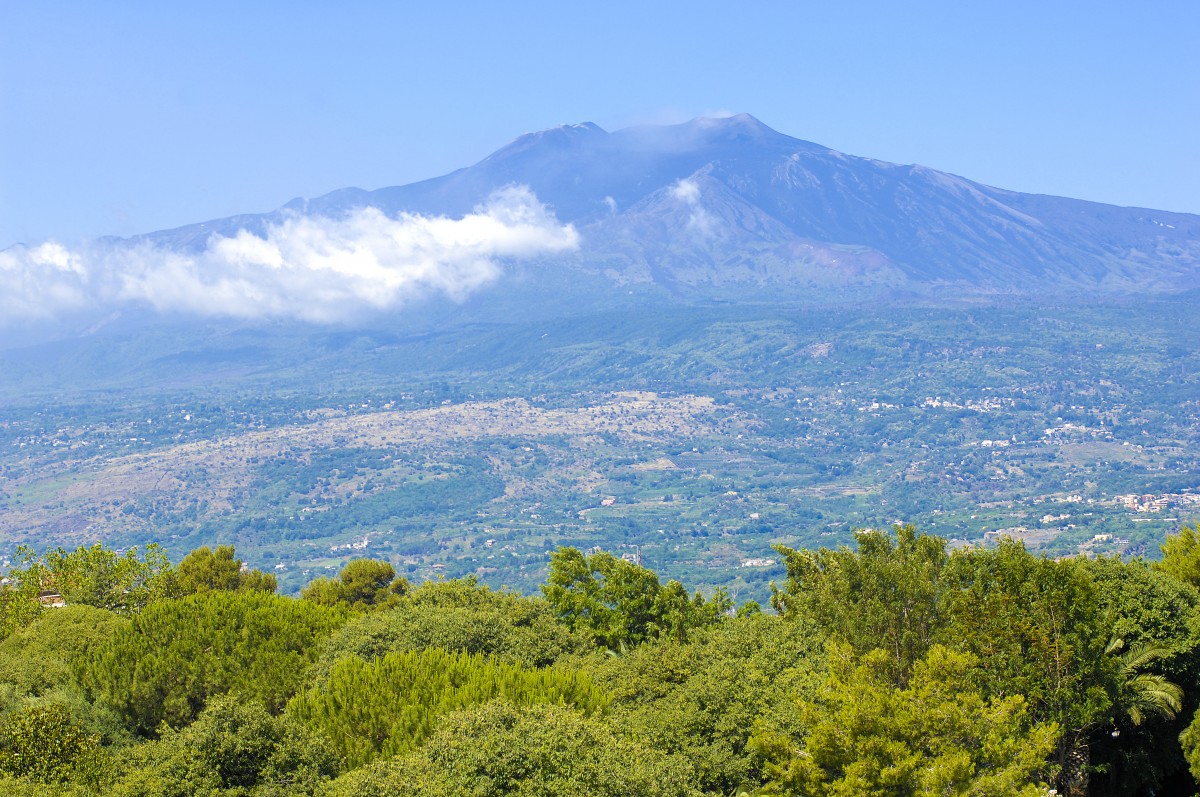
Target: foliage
{"points": [[205, 569], [884, 596], [892, 669], [1144, 695], [1145, 608], [39, 658], [1037, 627], [457, 615], [499, 749], [24, 787], [93, 576], [621, 603], [97, 576], [178, 653], [1181, 555], [937, 735], [390, 705], [18, 606], [1143, 604], [1190, 741], [36, 676], [362, 584], [43, 742], [235, 749], [703, 699]]}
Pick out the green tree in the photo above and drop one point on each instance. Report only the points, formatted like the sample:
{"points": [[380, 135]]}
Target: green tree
{"points": [[390, 705], [456, 615], [361, 584], [620, 603], [38, 659], [1143, 694], [1041, 630], [1181, 555], [498, 749], [166, 664], [204, 569], [885, 595], [43, 742], [703, 699], [233, 748], [1189, 740], [97, 576], [90, 575], [23, 787], [18, 605], [1151, 610], [937, 735]]}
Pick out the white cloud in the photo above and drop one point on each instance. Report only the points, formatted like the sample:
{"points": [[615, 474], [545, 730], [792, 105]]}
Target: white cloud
{"points": [[41, 281], [700, 220], [686, 191], [308, 267]]}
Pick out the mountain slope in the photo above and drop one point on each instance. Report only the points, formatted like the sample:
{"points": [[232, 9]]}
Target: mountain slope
{"points": [[707, 206]]}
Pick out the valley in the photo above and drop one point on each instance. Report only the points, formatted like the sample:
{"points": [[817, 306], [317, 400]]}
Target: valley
{"points": [[691, 438]]}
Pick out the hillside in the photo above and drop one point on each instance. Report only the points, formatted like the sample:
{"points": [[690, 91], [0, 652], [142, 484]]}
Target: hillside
{"points": [[697, 436]]}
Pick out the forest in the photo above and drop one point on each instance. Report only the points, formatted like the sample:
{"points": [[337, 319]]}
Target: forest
{"points": [[895, 666]]}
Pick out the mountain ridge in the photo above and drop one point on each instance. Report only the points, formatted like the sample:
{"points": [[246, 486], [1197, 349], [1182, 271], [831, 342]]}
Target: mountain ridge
{"points": [[809, 217]]}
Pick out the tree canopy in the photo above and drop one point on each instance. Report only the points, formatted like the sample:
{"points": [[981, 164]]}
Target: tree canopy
{"points": [[895, 667], [179, 653], [622, 603], [205, 569]]}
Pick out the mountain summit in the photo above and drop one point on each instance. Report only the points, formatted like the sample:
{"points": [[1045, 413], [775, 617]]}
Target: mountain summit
{"points": [[719, 207]]}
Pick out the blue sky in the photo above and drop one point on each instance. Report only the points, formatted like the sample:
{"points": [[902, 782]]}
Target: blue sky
{"points": [[125, 117]]}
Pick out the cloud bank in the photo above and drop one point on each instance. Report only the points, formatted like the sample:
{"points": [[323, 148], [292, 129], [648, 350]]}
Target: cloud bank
{"points": [[306, 267]]}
